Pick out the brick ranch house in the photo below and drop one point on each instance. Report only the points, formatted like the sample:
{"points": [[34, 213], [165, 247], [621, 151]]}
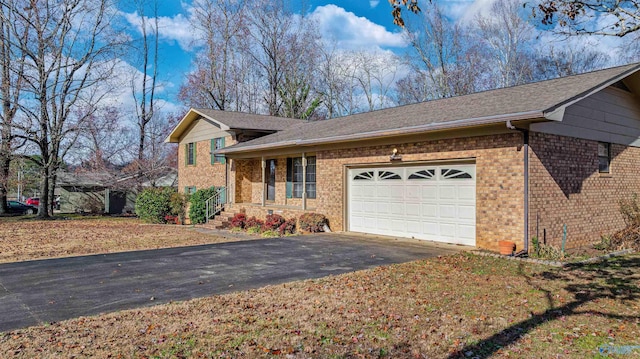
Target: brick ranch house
{"points": [[507, 164]]}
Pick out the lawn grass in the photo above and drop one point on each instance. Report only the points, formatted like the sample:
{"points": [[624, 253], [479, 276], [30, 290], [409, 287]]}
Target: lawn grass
{"points": [[27, 238], [460, 306]]}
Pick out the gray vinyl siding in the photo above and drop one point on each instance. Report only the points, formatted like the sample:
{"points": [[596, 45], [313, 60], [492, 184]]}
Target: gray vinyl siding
{"points": [[611, 115], [203, 130]]}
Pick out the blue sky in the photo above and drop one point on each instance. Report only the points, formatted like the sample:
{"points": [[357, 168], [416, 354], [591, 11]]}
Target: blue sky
{"points": [[349, 24]]}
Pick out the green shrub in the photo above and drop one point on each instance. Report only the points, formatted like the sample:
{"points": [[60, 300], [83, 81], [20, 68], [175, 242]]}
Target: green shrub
{"points": [[153, 204], [198, 200], [178, 205], [271, 233], [313, 222]]}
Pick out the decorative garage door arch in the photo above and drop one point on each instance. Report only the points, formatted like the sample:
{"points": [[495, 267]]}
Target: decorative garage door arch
{"points": [[435, 203]]}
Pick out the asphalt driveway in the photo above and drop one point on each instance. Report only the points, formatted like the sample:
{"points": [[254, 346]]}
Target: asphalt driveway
{"points": [[43, 291]]}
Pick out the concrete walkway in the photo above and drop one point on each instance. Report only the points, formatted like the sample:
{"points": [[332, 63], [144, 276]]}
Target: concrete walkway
{"points": [[43, 291]]}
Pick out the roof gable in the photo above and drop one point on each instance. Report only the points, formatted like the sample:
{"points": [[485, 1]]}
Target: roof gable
{"points": [[227, 120]]}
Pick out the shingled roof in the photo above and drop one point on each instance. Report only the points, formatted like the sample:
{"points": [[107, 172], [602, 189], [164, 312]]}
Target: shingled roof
{"points": [[544, 99], [227, 120]]}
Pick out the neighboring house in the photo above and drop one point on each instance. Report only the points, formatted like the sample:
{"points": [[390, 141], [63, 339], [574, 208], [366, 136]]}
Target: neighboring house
{"points": [[102, 192], [90, 192], [506, 164]]}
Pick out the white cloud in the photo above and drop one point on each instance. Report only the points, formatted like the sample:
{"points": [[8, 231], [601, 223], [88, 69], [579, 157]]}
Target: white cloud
{"points": [[177, 28], [374, 3], [119, 90], [349, 31]]}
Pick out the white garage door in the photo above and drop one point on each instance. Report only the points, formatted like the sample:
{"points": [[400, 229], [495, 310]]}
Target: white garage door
{"points": [[435, 203]]}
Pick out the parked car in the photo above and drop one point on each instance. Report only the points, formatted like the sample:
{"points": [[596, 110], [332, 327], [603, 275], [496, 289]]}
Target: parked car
{"points": [[33, 201], [21, 208]]}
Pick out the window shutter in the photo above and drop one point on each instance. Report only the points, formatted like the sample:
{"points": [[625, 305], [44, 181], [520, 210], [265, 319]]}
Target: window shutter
{"points": [[213, 148], [223, 159], [289, 177], [186, 154], [195, 152]]}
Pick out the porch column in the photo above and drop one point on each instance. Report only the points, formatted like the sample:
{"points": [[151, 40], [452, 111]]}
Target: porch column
{"points": [[264, 182], [304, 181]]}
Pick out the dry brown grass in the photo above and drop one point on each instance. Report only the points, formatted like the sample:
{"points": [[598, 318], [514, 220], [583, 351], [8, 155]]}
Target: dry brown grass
{"points": [[458, 306], [26, 238]]}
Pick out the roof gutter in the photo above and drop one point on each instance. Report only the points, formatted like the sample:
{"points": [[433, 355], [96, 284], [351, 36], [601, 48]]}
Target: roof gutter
{"points": [[487, 120]]}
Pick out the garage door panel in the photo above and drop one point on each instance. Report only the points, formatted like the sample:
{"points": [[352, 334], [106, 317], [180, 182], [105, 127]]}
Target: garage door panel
{"points": [[447, 192], [414, 227], [467, 213], [370, 222], [413, 192], [429, 192], [382, 208], [424, 202], [431, 229], [466, 231], [367, 192], [398, 225], [397, 208], [447, 211], [448, 230], [467, 193], [430, 211], [412, 209]]}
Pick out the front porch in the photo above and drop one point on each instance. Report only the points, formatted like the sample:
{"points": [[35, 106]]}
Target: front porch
{"points": [[285, 185]]}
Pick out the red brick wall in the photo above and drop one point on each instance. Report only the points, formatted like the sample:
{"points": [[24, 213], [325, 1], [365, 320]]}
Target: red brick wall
{"points": [[566, 188], [203, 174]]}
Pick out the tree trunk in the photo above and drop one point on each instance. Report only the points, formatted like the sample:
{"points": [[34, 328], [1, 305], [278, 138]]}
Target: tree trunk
{"points": [[43, 211], [4, 180]]}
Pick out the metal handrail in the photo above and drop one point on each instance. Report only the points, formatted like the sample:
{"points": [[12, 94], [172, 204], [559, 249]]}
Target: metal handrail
{"points": [[216, 203]]}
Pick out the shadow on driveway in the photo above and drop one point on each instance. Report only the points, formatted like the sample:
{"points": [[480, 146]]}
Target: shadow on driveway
{"points": [[42, 291]]}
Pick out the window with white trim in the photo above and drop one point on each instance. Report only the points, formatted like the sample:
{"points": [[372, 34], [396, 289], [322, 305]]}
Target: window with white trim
{"points": [[367, 176], [190, 154], [451, 173], [295, 173], [216, 144], [422, 175], [604, 157]]}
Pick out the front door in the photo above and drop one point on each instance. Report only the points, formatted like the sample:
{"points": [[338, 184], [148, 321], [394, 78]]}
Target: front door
{"points": [[271, 180]]}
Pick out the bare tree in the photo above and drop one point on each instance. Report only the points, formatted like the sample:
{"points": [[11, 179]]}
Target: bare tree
{"points": [[67, 47], [375, 74], [145, 93], [335, 83], [104, 142], [216, 80], [566, 60], [506, 38], [279, 41], [11, 66], [444, 59]]}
